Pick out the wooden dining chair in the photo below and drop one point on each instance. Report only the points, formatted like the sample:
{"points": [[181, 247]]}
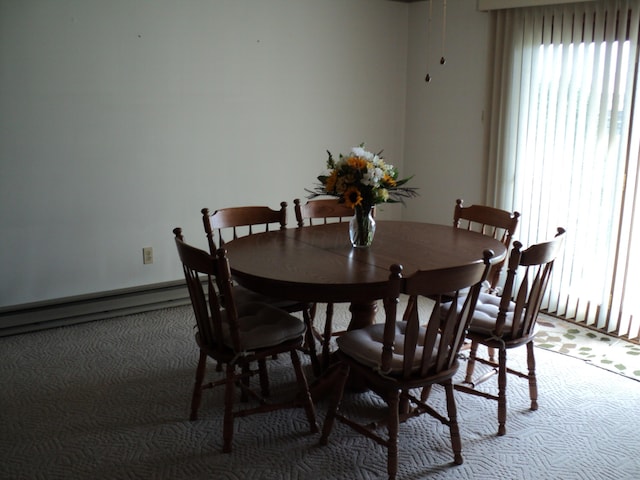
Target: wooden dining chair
{"points": [[396, 357], [238, 337], [226, 224], [508, 321], [497, 223], [321, 211], [233, 222], [491, 221], [315, 212]]}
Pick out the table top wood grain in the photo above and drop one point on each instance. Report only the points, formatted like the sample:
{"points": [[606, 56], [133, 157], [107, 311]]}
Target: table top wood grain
{"points": [[318, 263]]}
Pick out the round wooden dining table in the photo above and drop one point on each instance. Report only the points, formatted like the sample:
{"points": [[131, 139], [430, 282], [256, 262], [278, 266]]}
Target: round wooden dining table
{"points": [[318, 264]]}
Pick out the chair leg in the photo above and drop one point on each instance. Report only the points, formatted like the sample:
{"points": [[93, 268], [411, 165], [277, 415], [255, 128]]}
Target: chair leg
{"points": [[492, 354], [197, 387], [404, 405], [341, 379], [312, 311], [245, 380], [424, 395], [393, 426], [227, 423], [264, 378], [326, 337], [310, 342], [502, 391], [533, 384], [471, 363], [305, 396], [454, 429]]}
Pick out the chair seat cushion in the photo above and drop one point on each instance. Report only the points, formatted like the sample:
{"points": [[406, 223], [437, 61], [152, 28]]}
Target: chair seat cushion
{"points": [[365, 346], [261, 325], [486, 314]]}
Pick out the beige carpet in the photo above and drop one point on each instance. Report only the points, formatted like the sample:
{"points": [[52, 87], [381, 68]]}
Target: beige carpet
{"points": [[110, 400]]}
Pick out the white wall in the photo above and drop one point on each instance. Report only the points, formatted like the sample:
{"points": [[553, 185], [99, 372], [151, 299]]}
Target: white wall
{"points": [[122, 119], [446, 119]]}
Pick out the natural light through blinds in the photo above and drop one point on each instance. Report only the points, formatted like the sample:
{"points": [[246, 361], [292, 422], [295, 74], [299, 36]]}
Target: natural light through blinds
{"points": [[484, 5], [568, 152]]}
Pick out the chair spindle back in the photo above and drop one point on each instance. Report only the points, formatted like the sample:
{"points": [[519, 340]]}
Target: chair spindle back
{"points": [[490, 221], [204, 270], [535, 265], [433, 347], [240, 221]]}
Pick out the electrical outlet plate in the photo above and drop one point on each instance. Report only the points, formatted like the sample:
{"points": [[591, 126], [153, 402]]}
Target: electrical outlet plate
{"points": [[147, 255]]}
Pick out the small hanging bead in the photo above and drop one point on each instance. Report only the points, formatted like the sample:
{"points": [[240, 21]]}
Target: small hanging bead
{"points": [[443, 60], [427, 79], [444, 30]]}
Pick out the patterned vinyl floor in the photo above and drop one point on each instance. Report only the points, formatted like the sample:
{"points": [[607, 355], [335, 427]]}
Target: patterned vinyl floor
{"points": [[604, 351]]}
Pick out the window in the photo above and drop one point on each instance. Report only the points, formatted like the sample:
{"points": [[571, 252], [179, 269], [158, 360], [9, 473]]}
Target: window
{"points": [[566, 150]]}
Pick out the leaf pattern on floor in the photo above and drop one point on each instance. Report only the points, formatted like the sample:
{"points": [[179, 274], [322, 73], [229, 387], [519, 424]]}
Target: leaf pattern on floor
{"points": [[604, 351]]}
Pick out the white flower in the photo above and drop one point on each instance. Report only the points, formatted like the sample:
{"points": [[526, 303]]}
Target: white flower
{"points": [[362, 153], [358, 151], [368, 178], [374, 176]]}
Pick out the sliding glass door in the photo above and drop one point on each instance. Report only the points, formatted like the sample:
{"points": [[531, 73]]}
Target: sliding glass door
{"points": [[566, 149]]}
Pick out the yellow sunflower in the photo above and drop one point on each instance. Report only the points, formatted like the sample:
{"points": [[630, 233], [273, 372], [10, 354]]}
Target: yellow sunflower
{"points": [[330, 185], [357, 163], [388, 180], [352, 197]]}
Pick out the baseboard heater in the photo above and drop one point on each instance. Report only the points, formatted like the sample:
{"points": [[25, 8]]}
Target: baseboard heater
{"points": [[86, 308]]}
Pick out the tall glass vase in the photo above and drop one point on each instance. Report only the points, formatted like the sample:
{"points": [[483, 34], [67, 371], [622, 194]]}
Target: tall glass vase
{"points": [[362, 226]]}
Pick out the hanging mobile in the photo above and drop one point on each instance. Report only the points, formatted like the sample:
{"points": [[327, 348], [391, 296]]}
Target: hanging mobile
{"points": [[428, 77], [443, 60]]}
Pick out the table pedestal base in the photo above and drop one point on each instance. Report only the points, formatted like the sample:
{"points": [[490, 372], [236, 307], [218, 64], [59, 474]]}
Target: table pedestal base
{"points": [[362, 315]]}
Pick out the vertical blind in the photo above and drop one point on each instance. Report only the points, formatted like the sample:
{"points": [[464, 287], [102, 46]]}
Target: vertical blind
{"points": [[565, 147]]}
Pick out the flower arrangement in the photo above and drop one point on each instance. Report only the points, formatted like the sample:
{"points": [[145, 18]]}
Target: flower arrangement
{"points": [[361, 180]]}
